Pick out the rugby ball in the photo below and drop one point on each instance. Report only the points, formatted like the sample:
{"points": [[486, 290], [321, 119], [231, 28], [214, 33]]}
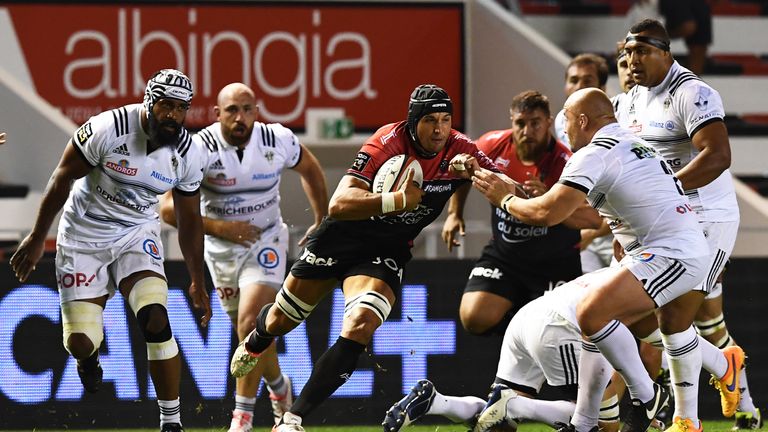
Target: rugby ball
{"points": [[393, 172]]}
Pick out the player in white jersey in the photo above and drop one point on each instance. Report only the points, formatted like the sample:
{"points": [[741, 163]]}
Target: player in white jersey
{"points": [[630, 185], [587, 70], [246, 241], [109, 233], [682, 117]]}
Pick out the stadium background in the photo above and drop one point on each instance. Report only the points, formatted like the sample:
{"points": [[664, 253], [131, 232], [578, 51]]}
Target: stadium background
{"points": [[317, 67]]}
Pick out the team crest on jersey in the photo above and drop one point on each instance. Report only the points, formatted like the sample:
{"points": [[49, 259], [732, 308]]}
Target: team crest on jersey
{"points": [[150, 247], [361, 161], [443, 165], [270, 156], [221, 180], [667, 102], [84, 133], [268, 258], [174, 162], [123, 167]]}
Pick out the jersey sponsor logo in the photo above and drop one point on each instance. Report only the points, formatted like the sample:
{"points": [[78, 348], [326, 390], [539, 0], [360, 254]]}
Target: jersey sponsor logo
{"points": [[164, 179], [216, 165], [312, 259], [69, 280], [123, 197], [361, 161], [439, 188], [412, 217], [642, 151], [484, 272], [514, 233], [264, 176], [221, 180], [268, 258], [669, 125], [84, 133], [636, 127], [703, 117], [123, 167], [674, 163], [150, 247], [228, 293], [500, 161], [229, 210], [683, 209], [122, 150], [702, 99]]}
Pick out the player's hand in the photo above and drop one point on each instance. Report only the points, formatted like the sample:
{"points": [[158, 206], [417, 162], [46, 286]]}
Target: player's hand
{"points": [[452, 225], [27, 255], [495, 187], [463, 166], [534, 187], [311, 228], [201, 301], [240, 232], [618, 250], [411, 191]]}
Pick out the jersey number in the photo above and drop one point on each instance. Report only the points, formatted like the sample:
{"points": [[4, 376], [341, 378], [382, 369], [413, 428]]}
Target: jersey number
{"points": [[668, 170]]}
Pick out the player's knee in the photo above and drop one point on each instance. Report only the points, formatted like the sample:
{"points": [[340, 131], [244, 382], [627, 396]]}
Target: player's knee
{"points": [[364, 313], [82, 324], [246, 322], [148, 300]]}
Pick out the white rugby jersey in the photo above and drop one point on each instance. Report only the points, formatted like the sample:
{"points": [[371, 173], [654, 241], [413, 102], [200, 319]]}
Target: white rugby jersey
{"points": [[667, 116], [630, 185], [247, 189], [121, 190]]}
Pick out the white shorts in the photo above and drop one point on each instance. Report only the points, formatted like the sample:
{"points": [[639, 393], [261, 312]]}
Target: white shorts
{"points": [[665, 279], [539, 345], [721, 236], [263, 264], [87, 270]]}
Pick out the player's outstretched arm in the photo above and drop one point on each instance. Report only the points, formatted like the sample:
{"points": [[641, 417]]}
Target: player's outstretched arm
{"points": [[240, 232], [72, 166], [190, 224], [714, 157], [454, 223], [315, 187], [549, 209], [353, 201]]}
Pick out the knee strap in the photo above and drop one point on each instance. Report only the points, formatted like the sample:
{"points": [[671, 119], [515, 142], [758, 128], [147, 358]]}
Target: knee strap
{"points": [[295, 309], [85, 318], [708, 327], [609, 409], [147, 296], [370, 300]]}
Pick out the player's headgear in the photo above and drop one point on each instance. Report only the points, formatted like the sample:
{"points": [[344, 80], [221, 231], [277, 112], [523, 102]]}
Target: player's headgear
{"points": [[167, 83], [426, 99]]}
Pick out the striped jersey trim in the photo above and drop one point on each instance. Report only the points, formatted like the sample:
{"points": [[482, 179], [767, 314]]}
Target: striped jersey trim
{"points": [[120, 116]]}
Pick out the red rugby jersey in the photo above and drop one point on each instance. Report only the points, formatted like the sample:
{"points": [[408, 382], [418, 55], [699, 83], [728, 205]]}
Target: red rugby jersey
{"points": [[512, 237]]}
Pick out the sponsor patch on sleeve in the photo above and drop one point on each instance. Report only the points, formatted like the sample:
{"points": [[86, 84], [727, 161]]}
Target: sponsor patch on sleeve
{"points": [[84, 133], [361, 161]]}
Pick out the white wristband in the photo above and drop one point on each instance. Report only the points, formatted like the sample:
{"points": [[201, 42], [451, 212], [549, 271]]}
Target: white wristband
{"points": [[388, 204], [506, 200]]}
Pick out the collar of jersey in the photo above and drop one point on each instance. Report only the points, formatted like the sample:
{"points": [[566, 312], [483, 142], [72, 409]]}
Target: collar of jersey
{"points": [[664, 85]]}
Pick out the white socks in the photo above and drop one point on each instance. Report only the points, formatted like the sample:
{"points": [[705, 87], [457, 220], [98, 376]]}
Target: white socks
{"points": [[594, 375], [170, 411], [618, 345], [684, 357], [458, 409]]}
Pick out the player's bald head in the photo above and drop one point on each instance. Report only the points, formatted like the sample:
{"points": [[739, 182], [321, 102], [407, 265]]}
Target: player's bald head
{"points": [[592, 102], [233, 90]]}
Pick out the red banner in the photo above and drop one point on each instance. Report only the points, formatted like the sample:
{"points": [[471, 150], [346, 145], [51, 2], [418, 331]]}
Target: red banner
{"points": [[363, 58]]}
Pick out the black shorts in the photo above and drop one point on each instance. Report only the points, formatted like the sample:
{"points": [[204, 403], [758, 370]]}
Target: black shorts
{"points": [[332, 254], [520, 281], [676, 12]]}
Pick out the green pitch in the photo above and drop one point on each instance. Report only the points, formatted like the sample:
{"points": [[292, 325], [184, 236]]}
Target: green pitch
{"points": [[709, 426]]}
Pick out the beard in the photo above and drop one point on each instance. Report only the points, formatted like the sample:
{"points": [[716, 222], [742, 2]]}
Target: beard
{"points": [[239, 135], [160, 135], [530, 150]]}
